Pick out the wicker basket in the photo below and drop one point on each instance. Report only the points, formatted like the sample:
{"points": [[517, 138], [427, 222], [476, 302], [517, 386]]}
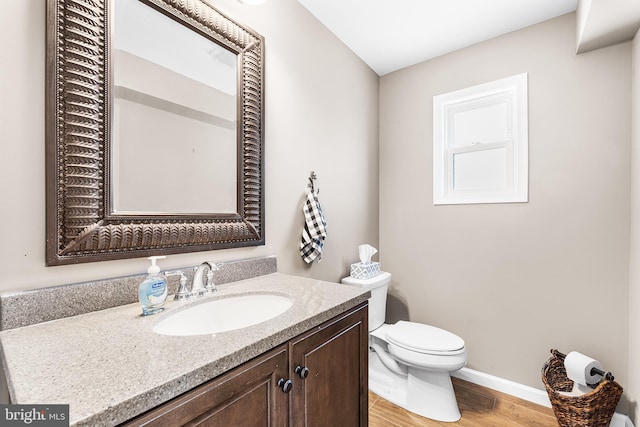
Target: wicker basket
{"points": [[593, 409]]}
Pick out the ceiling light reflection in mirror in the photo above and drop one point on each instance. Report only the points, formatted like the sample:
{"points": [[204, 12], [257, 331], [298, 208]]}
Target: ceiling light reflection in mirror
{"points": [[174, 127]]}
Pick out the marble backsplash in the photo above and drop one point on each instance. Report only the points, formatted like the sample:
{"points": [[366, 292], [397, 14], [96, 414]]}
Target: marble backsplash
{"points": [[40, 305]]}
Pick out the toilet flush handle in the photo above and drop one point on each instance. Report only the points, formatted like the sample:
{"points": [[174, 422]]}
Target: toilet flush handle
{"points": [[302, 371]]}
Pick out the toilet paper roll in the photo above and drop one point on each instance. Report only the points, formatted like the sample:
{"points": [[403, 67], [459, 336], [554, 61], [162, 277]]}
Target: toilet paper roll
{"points": [[579, 367], [577, 390]]}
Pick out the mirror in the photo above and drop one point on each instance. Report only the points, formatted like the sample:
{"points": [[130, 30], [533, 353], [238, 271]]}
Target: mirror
{"points": [[147, 98], [174, 116]]}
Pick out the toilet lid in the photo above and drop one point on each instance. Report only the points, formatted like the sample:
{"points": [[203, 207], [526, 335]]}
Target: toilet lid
{"points": [[423, 338]]}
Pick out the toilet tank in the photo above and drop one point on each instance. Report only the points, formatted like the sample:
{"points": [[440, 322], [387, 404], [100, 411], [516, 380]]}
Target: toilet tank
{"points": [[378, 285]]}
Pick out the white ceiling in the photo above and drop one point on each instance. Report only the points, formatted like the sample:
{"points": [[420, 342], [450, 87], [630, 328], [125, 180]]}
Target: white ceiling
{"points": [[393, 34], [605, 22]]}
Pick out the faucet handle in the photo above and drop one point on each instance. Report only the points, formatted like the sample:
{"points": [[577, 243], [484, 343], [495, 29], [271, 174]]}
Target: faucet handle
{"points": [[183, 293], [211, 286]]}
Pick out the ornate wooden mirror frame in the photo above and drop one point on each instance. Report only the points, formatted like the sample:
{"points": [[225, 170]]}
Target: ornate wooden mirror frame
{"points": [[80, 224]]}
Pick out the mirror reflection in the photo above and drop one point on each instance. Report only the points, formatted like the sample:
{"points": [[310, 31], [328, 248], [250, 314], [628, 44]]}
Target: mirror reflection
{"points": [[174, 117]]}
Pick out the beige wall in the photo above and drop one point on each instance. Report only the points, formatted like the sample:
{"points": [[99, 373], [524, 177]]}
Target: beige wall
{"points": [[515, 280], [633, 383], [321, 115]]}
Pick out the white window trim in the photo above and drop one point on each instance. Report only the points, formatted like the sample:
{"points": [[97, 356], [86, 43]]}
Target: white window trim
{"points": [[513, 91]]}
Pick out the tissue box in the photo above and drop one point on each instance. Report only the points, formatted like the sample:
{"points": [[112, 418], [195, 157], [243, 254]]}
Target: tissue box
{"points": [[365, 271]]}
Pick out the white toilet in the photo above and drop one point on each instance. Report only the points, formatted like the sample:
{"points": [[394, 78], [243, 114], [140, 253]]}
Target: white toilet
{"points": [[409, 363]]}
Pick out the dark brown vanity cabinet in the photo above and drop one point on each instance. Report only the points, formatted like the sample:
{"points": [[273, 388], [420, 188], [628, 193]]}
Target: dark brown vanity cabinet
{"points": [[316, 379], [330, 368], [245, 396]]}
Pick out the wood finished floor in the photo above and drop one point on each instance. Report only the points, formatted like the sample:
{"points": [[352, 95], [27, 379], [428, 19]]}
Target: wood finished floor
{"points": [[478, 405]]}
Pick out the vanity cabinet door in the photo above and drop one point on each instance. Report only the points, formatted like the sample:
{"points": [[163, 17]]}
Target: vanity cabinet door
{"points": [[330, 368], [247, 396]]}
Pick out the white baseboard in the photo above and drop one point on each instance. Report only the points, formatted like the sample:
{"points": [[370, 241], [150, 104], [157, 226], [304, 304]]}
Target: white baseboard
{"points": [[522, 391]]}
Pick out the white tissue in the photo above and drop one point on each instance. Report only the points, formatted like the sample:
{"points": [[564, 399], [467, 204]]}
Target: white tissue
{"points": [[366, 252], [579, 367]]}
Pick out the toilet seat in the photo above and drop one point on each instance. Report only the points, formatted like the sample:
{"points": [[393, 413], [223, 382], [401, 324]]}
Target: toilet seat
{"points": [[446, 362], [424, 339]]}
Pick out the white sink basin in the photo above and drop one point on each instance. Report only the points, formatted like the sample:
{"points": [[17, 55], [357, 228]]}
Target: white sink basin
{"points": [[224, 314]]}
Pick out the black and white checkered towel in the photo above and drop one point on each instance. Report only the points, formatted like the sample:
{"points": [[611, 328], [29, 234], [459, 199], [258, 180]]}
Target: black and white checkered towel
{"points": [[314, 231]]}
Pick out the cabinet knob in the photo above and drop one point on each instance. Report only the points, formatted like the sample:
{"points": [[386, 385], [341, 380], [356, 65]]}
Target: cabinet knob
{"points": [[302, 371], [285, 385]]}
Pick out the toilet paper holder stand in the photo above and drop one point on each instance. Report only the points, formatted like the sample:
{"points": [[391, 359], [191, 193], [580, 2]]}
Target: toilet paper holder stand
{"points": [[606, 375]]}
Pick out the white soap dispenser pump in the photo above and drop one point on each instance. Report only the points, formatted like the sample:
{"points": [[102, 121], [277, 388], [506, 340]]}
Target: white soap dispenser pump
{"points": [[152, 293]]}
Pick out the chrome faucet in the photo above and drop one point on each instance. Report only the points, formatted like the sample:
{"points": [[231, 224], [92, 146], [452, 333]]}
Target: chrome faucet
{"points": [[197, 287]]}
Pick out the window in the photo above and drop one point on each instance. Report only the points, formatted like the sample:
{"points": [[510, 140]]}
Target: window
{"points": [[480, 143]]}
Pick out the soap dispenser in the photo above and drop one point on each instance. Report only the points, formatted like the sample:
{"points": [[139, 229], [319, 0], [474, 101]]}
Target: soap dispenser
{"points": [[152, 293]]}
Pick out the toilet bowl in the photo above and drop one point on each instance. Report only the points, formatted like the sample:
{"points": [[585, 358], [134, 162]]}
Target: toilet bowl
{"points": [[410, 363]]}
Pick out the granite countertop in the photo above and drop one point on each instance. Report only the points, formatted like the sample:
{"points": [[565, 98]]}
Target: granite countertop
{"points": [[109, 366]]}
